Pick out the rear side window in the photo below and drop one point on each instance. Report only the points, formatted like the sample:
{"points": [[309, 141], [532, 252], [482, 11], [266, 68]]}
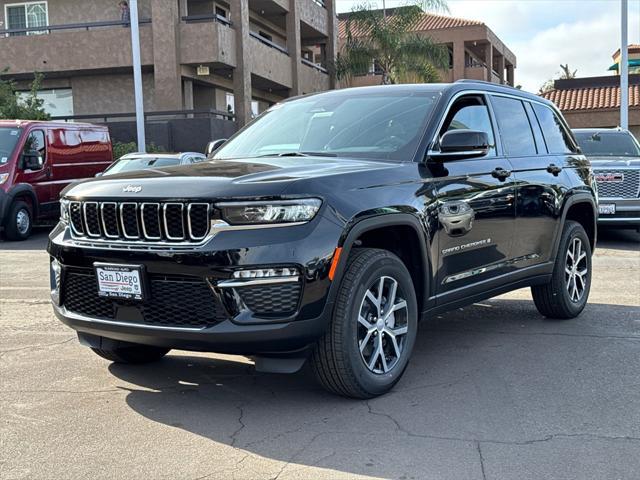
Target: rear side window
{"points": [[515, 129], [555, 135]]}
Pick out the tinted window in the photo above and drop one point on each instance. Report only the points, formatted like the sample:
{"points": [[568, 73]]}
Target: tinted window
{"points": [[515, 130], [471, 117], [618, 144], [555, 136], [36, 146], [379, 124]]}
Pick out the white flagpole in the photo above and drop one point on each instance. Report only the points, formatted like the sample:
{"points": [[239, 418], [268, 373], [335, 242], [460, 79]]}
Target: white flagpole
{"points": [[137, 76], [624, 67]]}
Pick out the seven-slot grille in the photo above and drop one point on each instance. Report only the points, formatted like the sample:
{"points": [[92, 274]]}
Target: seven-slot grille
{"points": [[140, 221], [629, 187]]}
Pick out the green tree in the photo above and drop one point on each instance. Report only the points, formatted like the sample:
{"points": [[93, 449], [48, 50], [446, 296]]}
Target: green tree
{"points": [[400, 54], [23, 107]]}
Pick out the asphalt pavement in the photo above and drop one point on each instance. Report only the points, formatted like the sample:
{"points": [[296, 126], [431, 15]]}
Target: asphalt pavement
{"points": [[494, 391]]}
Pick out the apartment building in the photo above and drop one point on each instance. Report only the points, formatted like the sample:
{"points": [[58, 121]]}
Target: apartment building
{"points": [[475, 51], [237, 56]]}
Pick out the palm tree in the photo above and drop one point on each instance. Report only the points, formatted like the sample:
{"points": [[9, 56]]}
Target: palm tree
{"points": [[388, 42]]}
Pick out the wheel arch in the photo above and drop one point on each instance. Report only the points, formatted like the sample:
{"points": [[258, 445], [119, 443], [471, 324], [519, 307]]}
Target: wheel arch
{"points": [[401, 233], [581, 208], [19, 192]]}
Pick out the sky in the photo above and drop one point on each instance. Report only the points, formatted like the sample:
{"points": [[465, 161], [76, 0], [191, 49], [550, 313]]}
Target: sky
{"points": [[546, 33]]}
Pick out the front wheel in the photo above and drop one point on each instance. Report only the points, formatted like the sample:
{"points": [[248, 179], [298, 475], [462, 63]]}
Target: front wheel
{"points": [[565, 296], [19, 221], [367, 346]]}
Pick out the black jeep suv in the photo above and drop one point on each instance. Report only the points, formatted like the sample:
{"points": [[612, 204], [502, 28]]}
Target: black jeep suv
{"points": [[327, 227]]}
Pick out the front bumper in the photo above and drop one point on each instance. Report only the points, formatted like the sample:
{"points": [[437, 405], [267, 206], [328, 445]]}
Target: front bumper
{"points": [[248, 321], [627, 212]]}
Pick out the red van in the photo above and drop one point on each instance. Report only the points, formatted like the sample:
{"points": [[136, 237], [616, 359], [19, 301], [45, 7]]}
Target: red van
{"points": [[39, 159]]}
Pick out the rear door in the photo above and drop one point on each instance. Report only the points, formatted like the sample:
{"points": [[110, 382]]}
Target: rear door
{"points": [[538, 159], [476, 209]]}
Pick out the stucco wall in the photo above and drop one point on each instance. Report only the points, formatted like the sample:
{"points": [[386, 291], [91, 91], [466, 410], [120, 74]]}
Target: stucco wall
{"points": [[603, 118], [109, 94]]}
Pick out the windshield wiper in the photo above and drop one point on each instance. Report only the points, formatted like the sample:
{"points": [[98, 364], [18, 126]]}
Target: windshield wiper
{"points": [[299, 154]]}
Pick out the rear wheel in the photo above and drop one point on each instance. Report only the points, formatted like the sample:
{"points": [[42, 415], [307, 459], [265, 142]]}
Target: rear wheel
{"points": [[19, 221], [121, 352], [373, 330], [565, 296]]}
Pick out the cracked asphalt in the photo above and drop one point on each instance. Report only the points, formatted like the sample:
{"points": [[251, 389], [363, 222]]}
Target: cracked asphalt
{"points": [[494, 391]]}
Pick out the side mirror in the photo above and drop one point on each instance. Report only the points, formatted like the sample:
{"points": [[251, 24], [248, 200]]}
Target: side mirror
{"points": [[99, 174], [213, 146], [461, 144], [31, 160]]}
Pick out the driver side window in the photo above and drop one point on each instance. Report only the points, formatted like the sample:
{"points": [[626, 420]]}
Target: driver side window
{"points": [[34, 151], [471, 113]]}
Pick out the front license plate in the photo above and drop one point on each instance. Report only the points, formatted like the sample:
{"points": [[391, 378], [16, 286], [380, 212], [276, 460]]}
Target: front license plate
{"points": [[120, 281], [607, 209]]}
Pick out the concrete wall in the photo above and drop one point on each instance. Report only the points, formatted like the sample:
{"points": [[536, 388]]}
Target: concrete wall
{"points": [[63, 12], [603, 118], [110, 94]]}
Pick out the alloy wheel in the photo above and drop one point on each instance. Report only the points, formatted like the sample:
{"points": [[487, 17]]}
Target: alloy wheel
{"points": [[576, 270], [382, 325]]}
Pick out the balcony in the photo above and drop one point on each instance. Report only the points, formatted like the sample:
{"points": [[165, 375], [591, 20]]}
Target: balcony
{"points": [[475, 73], [74, 47], [207, 39], [314, 15], [269, 60], [313, 78]]}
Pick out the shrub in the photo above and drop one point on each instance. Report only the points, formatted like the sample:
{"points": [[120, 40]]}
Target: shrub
{"points": [[120, 149]]}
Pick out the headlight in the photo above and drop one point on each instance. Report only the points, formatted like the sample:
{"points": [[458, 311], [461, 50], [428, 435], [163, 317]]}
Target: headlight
{"points": [[64, 211], [3, 177], [285, 211]]}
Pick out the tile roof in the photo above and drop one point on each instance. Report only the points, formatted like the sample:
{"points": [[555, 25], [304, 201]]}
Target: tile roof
{"points": [[633, 48], [592, 98], [428, 21]]}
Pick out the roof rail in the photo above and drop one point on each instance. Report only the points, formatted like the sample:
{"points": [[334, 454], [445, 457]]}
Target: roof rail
{"points": [[469, 80]]}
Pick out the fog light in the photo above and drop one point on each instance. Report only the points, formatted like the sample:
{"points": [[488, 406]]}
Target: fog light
{"points": [[54, 277], [266, 272]]}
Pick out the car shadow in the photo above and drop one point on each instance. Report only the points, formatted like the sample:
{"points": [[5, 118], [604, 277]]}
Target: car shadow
{"points": [[618, 239], [37, 241], [280, 416]]}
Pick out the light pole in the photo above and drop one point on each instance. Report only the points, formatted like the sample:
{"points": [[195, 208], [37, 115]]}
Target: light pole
{"points": [[137, 76], [624, 67]]}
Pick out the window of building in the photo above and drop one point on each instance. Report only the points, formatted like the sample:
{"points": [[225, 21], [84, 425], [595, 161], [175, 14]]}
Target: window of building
{"points": [[255, 105], [230, 101], [221, 12], [57, 103], [27, 15], [515, 129], [555, 135], [471, 113], [265, 35]]}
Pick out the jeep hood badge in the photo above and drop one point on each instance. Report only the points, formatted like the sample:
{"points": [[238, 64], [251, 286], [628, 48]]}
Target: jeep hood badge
{"points": [[132, 189]]}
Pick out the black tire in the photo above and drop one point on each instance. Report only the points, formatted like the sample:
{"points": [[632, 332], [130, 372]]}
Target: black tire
{"points": [[15, 229], [554, 299], [121, 352], [337, 360]]}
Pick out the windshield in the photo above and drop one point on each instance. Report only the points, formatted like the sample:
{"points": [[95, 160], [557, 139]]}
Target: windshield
{"points": [[8, 139], [617, 144], [140, 163], [386, 125]]}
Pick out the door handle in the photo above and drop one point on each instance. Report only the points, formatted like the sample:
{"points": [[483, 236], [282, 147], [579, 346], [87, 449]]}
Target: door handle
{"points": [[500, 173], [48, 173], [553, 168]]}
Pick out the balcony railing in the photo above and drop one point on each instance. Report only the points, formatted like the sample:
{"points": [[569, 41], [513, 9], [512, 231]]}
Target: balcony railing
{"points": [[268, 42], [321, 3], [207, 18], [309, 63], [69, 26]]}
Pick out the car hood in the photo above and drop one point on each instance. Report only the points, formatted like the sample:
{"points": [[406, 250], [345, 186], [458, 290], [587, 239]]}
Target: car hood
{"points": [[254, 178], [598, 162]]}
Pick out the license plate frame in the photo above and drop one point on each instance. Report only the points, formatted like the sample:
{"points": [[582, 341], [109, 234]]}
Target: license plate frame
{"points": [[120, 281], [607, 209]]}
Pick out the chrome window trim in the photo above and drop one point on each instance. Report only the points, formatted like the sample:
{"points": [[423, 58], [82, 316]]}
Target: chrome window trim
{"points": [[86, 223], [104, 225], [191, 235], [166, 227], [144, 230], [124, 229]]}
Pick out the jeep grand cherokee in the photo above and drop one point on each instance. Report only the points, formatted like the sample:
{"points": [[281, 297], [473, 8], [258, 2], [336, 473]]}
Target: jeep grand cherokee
{"points": [[325, 229]]}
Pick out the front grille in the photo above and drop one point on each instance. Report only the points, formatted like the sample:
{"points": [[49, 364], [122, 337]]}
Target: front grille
{"points": [[140, 221], [173, 301], [271, 300], [629, 187]]}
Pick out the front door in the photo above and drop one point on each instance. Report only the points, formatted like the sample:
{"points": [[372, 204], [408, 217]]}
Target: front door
{"points": [[476, 208], [34, 169]]}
